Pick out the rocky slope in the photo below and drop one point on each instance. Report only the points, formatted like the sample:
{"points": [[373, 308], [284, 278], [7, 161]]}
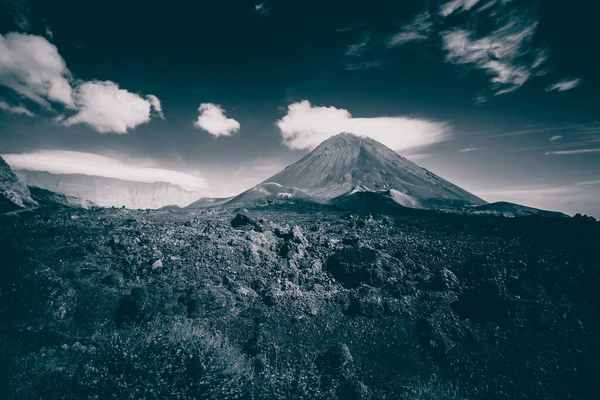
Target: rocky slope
{"points": [[297, 301], [13, 192], [108, 192], [346, 163]]}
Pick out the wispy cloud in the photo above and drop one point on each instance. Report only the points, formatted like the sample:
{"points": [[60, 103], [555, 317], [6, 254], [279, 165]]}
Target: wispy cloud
{"points": [[571, 152], [565, 84], [469, 149], [456, 6], [357, 57], [481, 99], [417, 157], [362, 65], [538, 130], [49, 32], [262, 9], [351, 28], [357, 49], [418, 29], [555, 138], [305, 126], [15, 109], [503, 54], [19, 10]]}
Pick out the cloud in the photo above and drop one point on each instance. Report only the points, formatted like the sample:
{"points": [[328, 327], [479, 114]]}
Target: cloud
{"points": [[417, 30], [457, 5], [15, 109], [32, 66], [469, 149], [357, 49], [19, 9], [49, 32], [503, 54], [355, 58], [305, 126], [417, 157], [156, 105], [481, 99], [262, 9], [213, 120], [108, 109], [555, 138], [73, 162], [565, 84], [571, 152], [362, 65], [351, 28]]}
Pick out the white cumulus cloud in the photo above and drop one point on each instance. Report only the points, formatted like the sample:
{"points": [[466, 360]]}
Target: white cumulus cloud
{"points": [[106, 108], [32, 66], [74, 162], [305, 126], [213, 120]]}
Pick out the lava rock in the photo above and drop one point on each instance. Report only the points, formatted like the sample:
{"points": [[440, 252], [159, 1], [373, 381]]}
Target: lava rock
{"points": [[132, 307], [353, 389], [355, 266], [336, 361], [242, 220]]}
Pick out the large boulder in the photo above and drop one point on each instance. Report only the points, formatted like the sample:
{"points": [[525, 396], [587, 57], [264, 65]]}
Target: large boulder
{"points": [[354, 266]]}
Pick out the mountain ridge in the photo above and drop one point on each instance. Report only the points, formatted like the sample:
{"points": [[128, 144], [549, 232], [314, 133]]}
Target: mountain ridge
{"points": [[111, 192]]}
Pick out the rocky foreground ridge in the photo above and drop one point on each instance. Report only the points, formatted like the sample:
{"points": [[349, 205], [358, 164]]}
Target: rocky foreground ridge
{"points": [[297, 301]]}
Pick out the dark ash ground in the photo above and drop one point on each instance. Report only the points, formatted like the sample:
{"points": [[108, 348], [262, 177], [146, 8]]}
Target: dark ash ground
{"points": [[297, 302]]}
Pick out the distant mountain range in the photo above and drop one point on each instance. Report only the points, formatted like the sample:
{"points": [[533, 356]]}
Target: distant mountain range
{"points": [[346, 171], [361, 174], [110, 192]]}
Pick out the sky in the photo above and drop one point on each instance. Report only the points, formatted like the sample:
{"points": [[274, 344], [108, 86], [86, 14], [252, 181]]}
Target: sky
{"points": [[499, 97]]}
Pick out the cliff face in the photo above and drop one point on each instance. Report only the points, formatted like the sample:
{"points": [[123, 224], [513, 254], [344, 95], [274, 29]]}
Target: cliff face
{"points": [[13, 193], [108, 192]]}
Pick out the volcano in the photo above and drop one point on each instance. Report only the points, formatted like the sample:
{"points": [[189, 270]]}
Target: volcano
{"points": [[346, 164]]}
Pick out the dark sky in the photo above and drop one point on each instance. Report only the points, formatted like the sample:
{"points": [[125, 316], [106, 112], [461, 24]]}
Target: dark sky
{"points": [[505, 94]]}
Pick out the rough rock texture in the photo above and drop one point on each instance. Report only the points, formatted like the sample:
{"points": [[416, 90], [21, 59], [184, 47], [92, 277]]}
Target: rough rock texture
{"points": [[317, 304], [13, 192], [346, 163]]}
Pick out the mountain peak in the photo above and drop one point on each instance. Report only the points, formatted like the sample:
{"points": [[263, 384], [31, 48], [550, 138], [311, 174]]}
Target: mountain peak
{"points": [[345, 163], [347, 138]]}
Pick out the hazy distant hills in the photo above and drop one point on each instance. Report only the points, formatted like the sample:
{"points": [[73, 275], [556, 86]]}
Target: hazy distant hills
{"points": [[110, 192], [347, 171]]}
